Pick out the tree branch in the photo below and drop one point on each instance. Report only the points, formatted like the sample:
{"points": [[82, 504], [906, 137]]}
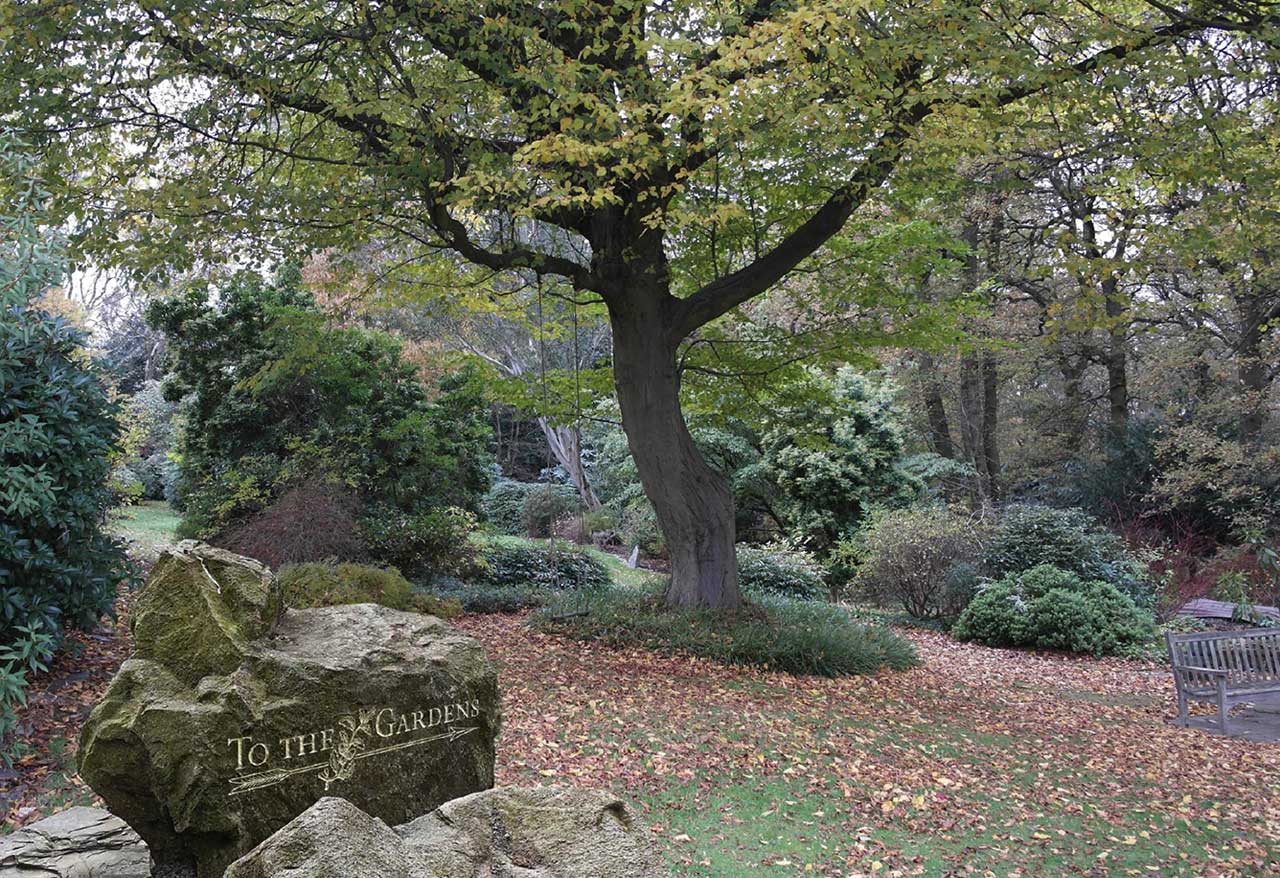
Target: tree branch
{"points": [[724, 294]]}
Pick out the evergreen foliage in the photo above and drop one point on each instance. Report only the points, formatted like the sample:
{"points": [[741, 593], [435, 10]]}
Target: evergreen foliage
{"points": [[274, 394], [1050, 608], [58, 430]]}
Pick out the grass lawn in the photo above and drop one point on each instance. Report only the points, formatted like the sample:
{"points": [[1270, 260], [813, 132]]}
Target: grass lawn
{"points": [[981, 762], [149, 525]]}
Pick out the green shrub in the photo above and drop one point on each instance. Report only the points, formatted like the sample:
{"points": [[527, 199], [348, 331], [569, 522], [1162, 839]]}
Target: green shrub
{"points": [[553, 565], [826, 479], [327, 585], [638, 526], [921, 559], [58, 430], [602, 525], [1050, 608], [774, 570], [483, 598], [997, 616], [503, 506], [1028, 535], [319, 584], [275, 393], [436, 543], [544, 505], [798, 637]]}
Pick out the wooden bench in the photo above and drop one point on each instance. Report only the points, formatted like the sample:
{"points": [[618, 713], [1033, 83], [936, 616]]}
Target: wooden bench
{"points": [[1224, 667]]}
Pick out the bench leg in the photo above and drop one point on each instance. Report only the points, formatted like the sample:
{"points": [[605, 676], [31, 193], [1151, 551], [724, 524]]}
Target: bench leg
{"points": [[1183, 719], [1222, 707]]}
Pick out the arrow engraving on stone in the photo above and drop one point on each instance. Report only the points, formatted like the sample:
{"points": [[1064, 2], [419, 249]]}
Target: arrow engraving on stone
{"points": [[245, 783]]}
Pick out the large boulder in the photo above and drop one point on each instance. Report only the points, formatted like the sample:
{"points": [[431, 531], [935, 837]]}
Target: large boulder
{"points": [[76, 843], [541, 832], [207, 752], [331, 839], [236, 600]]}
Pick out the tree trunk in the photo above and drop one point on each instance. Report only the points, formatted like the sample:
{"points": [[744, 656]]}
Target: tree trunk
{"points": [[693, 502], [971, 393], [1076, 416], [990, 426], [566, 446], [1117, 362], [1252, 370], [935, 408]]}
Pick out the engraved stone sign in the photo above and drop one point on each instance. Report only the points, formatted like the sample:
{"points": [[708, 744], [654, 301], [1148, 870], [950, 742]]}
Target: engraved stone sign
{"points": [[234, 716]]}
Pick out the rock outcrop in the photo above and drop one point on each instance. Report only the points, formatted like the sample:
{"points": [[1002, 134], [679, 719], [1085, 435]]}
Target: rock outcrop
{"points": [[234, 716], [76, 843], [542, 832]]}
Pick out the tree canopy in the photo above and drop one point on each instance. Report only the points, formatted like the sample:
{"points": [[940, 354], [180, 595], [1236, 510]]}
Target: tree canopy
{"points": [[673, 160]]}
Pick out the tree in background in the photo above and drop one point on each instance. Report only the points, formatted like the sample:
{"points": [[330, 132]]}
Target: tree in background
{"points": [[58, 431], [684, 159], [826, 480], [550, 357]]}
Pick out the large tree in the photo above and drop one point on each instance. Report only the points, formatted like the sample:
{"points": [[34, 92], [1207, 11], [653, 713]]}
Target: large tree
{"points": [[628, 133]]}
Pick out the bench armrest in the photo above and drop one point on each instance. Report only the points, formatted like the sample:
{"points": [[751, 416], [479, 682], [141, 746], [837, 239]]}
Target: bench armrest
{"points": [[1213, 672]]}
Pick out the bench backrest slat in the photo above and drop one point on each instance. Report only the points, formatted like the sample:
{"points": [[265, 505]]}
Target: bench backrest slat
{"points": [[1247, 657]]}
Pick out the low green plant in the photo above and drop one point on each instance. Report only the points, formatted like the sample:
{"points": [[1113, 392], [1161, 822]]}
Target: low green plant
{"points": [[922, 558], [428, 544], [553, 565], [602, 526], [544, 505], [1028, 535], [780, 570], [320, 584], [1050, 608], [30, 652], [483, 598], [774, 633], [503, 506]]}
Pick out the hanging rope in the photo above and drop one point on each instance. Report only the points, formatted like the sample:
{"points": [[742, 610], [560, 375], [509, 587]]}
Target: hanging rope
{"points": [[542, 349], [542, 376], [577, 426]]}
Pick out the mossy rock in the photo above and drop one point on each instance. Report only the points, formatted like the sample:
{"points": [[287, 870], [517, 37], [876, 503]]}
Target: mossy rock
{"points": [[538, 832], [396, 712], [236, 598]]}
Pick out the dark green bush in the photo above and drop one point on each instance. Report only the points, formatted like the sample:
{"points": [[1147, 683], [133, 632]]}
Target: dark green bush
{"points": [[780, 571], [483, 598], [553, 565], [1050, 608], [826, 479], [798, 637], [435, 543], [546, 504], [327, 585], [1028, 535], [503, 506], [920, 558], [58, 430], [274, 393]]}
